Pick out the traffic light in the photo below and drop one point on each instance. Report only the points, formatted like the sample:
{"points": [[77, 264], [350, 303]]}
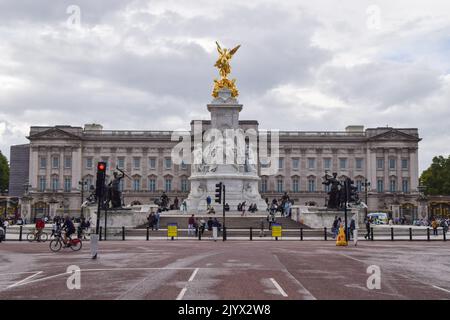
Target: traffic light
{"points": [[101, 175], [218, 192]]}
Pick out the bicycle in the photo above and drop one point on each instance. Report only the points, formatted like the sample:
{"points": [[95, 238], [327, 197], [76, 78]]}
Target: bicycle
{"points": [[38, 236], [57, 243]]}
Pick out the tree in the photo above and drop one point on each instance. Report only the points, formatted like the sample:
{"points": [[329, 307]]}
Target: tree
{"points": [[4, 172], [436, 178]]}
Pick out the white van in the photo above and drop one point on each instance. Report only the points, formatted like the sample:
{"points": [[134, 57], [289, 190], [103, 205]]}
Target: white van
{"points": [[379, 217]]}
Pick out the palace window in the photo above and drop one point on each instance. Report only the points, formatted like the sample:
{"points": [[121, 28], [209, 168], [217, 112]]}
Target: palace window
{"points": [[89, 163], [55, 183], [184, 185], [405, 185], [42, 162], [67, 184], [55, 162], [326, 187], [295, 164], [121, 163], [152, 185], [295, 185], [67, 162], [380, 185], [264, 185], [121, 185], [327, 163], [280, 185], [311, 163], [168, 163], [404, 164], [393, 185], [42, 184], [359, 163], [152, 163], [280, 163], [359, 184], [311, 185], [392, 164], [136, 184], [343, 163], [183, 165], [168, 184], [136, 163], [380, 163]]}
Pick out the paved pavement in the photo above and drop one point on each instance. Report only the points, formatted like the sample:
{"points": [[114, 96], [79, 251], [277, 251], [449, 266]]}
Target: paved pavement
{"points": [[227, 270]]}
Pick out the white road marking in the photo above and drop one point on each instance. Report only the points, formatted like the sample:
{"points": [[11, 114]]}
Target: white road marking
{"points": [[441, 289], [24, 280], [279, 288], [181, 294], [193, 275], [183, 291], [14, 273]]}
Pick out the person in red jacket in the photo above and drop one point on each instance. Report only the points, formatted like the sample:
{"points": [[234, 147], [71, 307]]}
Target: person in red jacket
{"points": [[40, 225]]}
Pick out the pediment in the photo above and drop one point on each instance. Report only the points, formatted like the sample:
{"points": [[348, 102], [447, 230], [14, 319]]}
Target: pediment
{"points": [[394, 135], [54, 133]]}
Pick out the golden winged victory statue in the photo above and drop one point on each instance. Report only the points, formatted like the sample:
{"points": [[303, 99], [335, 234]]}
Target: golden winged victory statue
{"points": [[223, 64]]}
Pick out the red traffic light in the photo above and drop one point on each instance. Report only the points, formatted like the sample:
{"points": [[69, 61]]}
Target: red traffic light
{"points": [[101, 166]]}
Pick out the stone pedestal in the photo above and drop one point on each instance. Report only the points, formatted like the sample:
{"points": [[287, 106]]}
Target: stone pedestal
{"points": [[240, 180]]}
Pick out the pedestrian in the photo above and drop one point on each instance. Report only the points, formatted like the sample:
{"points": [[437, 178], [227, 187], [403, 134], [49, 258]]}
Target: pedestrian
{"points": [[157, 218], [351, 228], [151, 220], [367, 236], [210, 223], [191, 223], [334, 227], [434, 225], [243, 209], [202, 225]]}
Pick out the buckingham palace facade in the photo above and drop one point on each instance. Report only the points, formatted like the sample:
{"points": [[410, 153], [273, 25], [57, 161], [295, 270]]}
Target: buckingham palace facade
{"points": [[62, 162]]}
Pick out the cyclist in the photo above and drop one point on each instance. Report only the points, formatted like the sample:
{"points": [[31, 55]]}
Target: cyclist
{"points": [[70, 229], [40, 225]]}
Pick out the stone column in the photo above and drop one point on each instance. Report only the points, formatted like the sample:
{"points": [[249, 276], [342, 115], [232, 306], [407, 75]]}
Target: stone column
{"points": [[413, 169], [395, 208], [33, 168]]}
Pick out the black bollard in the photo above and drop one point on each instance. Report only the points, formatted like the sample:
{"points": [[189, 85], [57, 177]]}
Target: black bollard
{"points": [[410, 234], [325, 233], [148, 233], [392, 234], [428, 234], [20, 233], [251, 233], [301, 234], [123, 233]]}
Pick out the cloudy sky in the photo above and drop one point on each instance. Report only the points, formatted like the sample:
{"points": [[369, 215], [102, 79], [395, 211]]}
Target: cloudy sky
{"points": [[303, 65]]}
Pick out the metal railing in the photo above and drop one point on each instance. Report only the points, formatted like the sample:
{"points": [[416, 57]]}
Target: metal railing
{"points": [[300, 234]]}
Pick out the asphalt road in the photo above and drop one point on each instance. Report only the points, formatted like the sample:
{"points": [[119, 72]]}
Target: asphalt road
{"points": [[227, 270]]}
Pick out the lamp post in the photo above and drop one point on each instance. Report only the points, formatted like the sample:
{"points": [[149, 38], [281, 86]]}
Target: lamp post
{"points": [[83, 183], [366, 185]]}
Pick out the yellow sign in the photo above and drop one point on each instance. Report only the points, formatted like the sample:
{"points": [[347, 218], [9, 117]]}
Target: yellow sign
{"points": [[172, 230], [276, 230]]}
